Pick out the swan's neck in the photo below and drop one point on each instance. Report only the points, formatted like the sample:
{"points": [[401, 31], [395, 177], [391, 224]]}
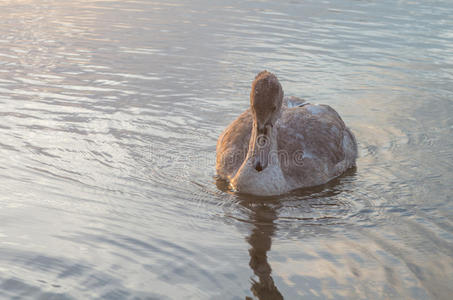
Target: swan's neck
{"points": [[265, 149], [270, 180]]}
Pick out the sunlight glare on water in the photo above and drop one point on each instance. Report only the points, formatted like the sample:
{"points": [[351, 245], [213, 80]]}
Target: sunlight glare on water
{"points": [[110, 113]]}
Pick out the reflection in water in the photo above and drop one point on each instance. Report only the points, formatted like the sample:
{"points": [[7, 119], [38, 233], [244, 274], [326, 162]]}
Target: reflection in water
{"points": [[262, 217]]}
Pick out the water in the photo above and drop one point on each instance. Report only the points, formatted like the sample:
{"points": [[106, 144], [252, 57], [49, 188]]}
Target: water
{"points": [[110, 112]]}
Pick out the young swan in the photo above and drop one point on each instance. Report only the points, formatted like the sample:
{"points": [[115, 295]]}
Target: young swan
{"points": [[271, 149]]}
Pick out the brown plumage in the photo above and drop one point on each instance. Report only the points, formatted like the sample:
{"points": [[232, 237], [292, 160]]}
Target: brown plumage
{"points": [[272, 148]]}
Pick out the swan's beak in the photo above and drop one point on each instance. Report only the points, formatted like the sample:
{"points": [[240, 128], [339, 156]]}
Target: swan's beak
{"points": [[262, 146]]}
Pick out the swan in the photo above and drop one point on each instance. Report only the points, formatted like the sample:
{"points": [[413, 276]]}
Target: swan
{"points": [[273, 148]]}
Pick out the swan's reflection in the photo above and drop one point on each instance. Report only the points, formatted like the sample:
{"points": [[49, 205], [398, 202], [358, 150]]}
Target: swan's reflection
{"points": [[263, 215]]}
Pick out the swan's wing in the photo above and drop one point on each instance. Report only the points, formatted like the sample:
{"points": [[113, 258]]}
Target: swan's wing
{"points": [[232, 145], [312, 137]]}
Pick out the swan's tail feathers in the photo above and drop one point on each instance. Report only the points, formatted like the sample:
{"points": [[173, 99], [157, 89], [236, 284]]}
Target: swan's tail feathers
{"points": [[292, 101]]}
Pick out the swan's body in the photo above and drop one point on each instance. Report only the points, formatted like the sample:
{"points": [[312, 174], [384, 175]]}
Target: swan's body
{"points": [[273, 148]]}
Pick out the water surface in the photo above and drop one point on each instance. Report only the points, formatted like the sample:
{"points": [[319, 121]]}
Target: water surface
{"points": [[109, 116]]}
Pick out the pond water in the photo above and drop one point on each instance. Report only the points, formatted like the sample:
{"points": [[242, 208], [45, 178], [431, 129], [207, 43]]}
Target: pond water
{"points": [[110, 112]]}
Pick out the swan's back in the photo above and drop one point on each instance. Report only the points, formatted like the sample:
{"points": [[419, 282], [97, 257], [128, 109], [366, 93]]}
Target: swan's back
{"points": [[315, 145]]}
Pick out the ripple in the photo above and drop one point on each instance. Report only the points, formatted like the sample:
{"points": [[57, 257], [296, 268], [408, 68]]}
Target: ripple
{"points": [[110, 115]]}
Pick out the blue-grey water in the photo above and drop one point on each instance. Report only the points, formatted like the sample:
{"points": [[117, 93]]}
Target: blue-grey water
{"points": [[109, 116]]}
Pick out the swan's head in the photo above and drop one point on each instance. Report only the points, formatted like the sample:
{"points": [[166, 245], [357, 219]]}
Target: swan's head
{"points": [[266, 98]]}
